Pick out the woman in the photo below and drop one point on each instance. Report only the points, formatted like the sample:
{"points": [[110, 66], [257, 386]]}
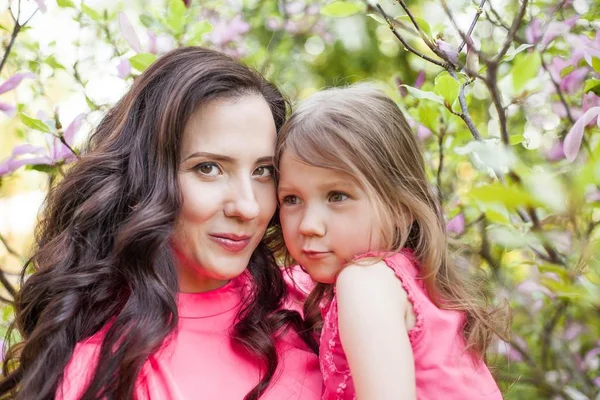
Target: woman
{"points": [[153, 277]]}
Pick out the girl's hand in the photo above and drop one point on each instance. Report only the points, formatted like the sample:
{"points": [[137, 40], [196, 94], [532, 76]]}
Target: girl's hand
{"points": [[372, 309]]}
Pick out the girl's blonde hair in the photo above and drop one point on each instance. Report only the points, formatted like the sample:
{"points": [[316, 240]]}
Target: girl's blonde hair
{"points": [[362, 132]]}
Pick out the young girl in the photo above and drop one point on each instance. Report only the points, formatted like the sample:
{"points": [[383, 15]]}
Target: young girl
{"points": [[399, 321]]}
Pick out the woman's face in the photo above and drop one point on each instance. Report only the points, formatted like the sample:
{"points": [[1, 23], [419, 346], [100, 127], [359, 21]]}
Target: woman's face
{"points": [[226, 181]]}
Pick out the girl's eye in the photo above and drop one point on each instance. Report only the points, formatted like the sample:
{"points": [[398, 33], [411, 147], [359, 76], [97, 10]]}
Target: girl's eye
{"points": [[264, 171], [208, 169], [336, 197], [290, 200]]}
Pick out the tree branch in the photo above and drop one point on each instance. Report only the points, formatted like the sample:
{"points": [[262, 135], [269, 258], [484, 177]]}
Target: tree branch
{"points": [[466, 117], [510, 37], [405, 44], [491, 82], [473, 23]]}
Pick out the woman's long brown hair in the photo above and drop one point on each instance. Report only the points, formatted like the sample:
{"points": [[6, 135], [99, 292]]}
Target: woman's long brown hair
{"points": [[102, 247]]}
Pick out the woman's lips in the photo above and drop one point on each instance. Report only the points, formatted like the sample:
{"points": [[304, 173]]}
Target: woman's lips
{"points": [[231, 242]]}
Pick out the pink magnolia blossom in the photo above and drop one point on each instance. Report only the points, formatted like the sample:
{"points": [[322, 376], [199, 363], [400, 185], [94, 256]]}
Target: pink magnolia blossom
{"points": [[572, 82], [573, 139], [10, 84], [533, 32], [123, 69], [423, 132], [129, 33], [7, 109], [558, 28], [229, 31], [449, 51], [54, 152], [583, 47], [152, 43], [42, 5], [14, 81], [556, 152], [456, 224], [420, 79], [294, 7]]}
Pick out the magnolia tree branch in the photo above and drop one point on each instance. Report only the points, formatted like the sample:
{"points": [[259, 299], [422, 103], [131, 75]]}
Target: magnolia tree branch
{"points": [[510, 37], [440, 167], [404, 43], [3, 280], [473, 23]]}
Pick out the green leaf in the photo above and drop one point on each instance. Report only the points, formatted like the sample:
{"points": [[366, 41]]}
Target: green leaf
{"points": [[34, 123], [198, 31], [176, 16], [447, 87], [142, 61], [512, 53], [421, 94], [340, 9], [65, 3], [510, 196], [147, 20], [4, 28], [377, 18], [429, 115], [48, 169], [596, 64], [51, 61], [516, 139], [566, 71], [93, 14], [420, 21], [525, 68], [592, 85]]}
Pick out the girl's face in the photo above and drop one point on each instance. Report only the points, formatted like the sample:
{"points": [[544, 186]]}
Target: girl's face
{"points": [[228, 191], [327, 218]]}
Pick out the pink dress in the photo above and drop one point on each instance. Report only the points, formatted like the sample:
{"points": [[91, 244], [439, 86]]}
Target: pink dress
{"points": [[442, 369], [198, 362]]}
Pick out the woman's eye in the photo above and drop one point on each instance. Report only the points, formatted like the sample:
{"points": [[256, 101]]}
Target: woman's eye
{"points": [[336, 197], [264, 171], [208, 169], [290, 200]]}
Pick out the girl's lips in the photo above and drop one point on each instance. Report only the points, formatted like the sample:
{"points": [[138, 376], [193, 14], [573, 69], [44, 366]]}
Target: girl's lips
{"points": [[315, 255], [231, 243]]}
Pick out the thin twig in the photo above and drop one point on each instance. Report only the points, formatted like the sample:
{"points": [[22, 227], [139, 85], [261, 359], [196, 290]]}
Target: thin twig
{"points": [[465, 39], [473, 23], [512, 32], [416, 24], [463, 106], [537, 227], [546, 333], [558, 91], [10, 250], [405, 44], [13, 37], [440, 167], [492, 83]]}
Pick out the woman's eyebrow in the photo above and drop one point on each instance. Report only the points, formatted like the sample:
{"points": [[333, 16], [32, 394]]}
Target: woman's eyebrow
{"points": [[212, 156]]}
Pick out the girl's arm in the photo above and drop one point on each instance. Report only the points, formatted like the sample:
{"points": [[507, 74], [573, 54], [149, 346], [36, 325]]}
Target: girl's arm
{"points": [[372, 306]]}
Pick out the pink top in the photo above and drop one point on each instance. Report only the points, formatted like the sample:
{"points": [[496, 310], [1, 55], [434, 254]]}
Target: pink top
{"points": [[442, 369], [199, 361]]}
